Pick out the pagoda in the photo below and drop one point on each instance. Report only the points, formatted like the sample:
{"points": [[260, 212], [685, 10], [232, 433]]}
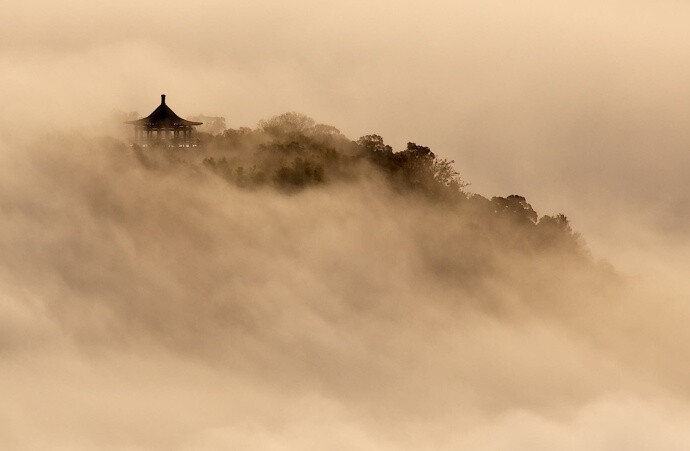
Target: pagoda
{"points": [[164, 127]]}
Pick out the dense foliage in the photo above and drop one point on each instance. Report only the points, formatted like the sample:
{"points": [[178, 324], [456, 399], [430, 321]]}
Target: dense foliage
{"points": [[291, 152]]}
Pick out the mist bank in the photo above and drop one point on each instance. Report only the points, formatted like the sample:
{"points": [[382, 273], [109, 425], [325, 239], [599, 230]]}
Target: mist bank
{"points": [[579, 105], [151, 302]]}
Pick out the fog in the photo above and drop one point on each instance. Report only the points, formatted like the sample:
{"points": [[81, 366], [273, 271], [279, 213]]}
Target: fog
{"points": [[171, 310]]}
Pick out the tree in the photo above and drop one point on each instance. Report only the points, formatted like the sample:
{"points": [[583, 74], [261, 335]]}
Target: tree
{"points": [[446, 175], [288, 125], [515, 207], [375, 144], [326, 130]]}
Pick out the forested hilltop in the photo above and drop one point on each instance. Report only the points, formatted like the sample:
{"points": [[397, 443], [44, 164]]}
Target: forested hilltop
{"points": [[291, 153]]}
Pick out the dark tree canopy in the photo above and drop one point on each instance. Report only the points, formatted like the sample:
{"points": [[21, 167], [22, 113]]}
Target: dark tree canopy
{"points": [[292, 152]]}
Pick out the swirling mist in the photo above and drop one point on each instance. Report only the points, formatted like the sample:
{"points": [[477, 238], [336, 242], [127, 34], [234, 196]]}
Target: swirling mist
{"points": [[168, 309], [164, 308]]}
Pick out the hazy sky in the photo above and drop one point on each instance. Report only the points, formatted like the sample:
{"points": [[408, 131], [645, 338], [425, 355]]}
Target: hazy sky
{"points": [[582, 106]]}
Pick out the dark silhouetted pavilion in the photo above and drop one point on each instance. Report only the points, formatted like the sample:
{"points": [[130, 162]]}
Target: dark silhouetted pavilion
{"points": [[164, 127]]}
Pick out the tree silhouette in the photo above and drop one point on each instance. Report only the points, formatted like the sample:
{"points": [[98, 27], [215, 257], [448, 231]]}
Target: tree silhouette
{"points": [[292, 152]]}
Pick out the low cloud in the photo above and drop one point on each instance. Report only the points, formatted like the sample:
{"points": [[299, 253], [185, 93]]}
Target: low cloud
{"points": [[166, 308]]}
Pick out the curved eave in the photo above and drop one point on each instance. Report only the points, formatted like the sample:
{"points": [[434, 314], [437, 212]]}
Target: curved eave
{"points": [[163, 116]]}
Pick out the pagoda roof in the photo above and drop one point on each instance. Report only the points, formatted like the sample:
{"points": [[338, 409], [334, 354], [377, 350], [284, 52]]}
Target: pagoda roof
{"points": [[163, 116]]}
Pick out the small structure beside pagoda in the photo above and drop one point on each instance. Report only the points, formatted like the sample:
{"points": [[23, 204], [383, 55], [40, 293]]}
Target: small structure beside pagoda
{"points": [[164, 127]]}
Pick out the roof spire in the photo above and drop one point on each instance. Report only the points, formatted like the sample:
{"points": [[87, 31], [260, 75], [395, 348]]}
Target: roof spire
{"points": [[162, 99]]}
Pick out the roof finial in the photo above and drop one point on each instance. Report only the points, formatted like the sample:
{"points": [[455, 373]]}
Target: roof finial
{"points": [[162, 99]]}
